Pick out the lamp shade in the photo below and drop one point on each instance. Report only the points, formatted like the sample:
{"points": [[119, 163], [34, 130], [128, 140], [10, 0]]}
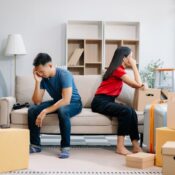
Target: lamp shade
{"points": [[15, 45]]}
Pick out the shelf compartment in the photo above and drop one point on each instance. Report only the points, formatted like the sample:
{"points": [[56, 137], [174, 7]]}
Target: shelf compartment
{"points": [[121, 30], [75, 44], [93, 69], [110, 47], [84, 29], [76, 70], [93, 51]]}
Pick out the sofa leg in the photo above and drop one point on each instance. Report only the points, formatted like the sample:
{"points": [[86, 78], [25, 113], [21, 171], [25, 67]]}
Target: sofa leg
{"points": [[141, 140]]}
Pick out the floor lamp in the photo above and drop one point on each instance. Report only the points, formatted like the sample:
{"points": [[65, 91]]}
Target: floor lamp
{"points": [[15, 46]]}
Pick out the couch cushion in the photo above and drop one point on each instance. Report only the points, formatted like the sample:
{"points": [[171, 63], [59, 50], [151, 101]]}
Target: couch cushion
{"points": [[87, 86], [24, 89], [85, 118]]}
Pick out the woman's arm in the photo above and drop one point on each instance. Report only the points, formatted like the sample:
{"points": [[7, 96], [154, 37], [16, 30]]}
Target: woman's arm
{"points": [[136, 83], [130, 82]]}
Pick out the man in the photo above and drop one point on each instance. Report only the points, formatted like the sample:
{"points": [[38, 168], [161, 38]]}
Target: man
{"points": [[66, 102]]}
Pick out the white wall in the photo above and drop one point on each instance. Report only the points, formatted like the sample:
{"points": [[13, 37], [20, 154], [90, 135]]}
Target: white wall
{"points": [[42, 25]]}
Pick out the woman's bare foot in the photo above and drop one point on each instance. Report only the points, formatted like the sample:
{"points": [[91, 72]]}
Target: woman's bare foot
{"points": [[137, 149], [122, 151]]}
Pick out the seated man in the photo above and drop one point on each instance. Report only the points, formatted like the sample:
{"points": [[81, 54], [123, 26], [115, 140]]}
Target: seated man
{"points": [[66, 102]]}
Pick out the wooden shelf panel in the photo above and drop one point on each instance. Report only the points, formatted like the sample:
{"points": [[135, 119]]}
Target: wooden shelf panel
{"points": [[75, 66], [93, 51], [93, 63]]}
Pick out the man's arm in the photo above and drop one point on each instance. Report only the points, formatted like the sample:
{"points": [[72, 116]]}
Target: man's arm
{"points": [[66, 98], [38, 93]]}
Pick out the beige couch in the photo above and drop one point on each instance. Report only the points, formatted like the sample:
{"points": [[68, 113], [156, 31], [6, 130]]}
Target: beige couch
{"points": [[87, 122]]}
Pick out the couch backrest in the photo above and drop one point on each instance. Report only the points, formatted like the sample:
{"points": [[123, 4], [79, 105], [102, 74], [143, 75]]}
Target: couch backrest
{"points": [[86, 85]]}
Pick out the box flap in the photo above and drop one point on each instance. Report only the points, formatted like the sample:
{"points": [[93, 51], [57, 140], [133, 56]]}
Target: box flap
{"points": [[168, 148]]}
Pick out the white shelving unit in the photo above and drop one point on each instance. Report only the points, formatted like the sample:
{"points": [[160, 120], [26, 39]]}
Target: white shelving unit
{"points": [[99, 40]]}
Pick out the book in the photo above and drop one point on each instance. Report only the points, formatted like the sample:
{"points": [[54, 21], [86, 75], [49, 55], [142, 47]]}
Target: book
{"points": [[73, 60]]}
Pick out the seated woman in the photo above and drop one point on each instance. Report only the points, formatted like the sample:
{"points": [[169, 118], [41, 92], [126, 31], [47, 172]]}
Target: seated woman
{"points": [[110, 88]]}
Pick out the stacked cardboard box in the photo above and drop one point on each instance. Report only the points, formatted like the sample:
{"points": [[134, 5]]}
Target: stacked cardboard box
{"points": [[166, 134]]}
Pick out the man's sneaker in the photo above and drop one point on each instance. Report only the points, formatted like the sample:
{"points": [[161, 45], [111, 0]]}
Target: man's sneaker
{"points": [[35, 149], [65, 153]]}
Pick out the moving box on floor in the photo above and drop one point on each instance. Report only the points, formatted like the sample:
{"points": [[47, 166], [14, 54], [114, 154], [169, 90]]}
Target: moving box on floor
{"points": [[14, 149], [140, 160]]}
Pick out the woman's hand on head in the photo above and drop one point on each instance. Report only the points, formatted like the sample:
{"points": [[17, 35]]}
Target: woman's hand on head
{"points": [[132, 62], [126, 62]]}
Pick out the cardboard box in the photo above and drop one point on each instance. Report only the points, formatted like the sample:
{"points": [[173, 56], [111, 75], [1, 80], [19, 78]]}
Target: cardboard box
{"points": [[14, 149], [144, 97], [168, 152], [162, 136], [171, 110], [140, 160]]}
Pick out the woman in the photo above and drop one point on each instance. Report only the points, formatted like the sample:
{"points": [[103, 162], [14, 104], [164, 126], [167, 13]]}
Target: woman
{"points": [[110, 88]]}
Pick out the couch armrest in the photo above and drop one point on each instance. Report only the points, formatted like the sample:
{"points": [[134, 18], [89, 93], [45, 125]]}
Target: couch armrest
{"points": [[6, 105]]}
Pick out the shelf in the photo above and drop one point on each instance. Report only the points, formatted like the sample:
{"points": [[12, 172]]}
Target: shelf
{"points": [[75, 66], [74, 44], [110, 47], [93, 51], [99, 40], [93, 69], [93, 63]]}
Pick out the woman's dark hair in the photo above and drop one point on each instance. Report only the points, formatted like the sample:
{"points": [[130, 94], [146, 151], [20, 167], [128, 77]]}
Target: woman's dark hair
{"points": [[117, 60], [41, 59]]}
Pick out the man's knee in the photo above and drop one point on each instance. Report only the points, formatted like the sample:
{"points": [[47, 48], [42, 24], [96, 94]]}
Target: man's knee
{"points": [[32, 112], [62, 112]]}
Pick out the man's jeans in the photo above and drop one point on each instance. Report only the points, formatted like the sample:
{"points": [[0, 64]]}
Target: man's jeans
{"points": [[64, 115]]}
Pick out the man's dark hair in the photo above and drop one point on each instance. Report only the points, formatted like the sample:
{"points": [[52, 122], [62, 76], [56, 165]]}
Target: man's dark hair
{"points": [[42, 59]]}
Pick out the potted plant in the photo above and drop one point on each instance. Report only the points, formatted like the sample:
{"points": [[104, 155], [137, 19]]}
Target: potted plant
{"points": [[148, 73]]}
